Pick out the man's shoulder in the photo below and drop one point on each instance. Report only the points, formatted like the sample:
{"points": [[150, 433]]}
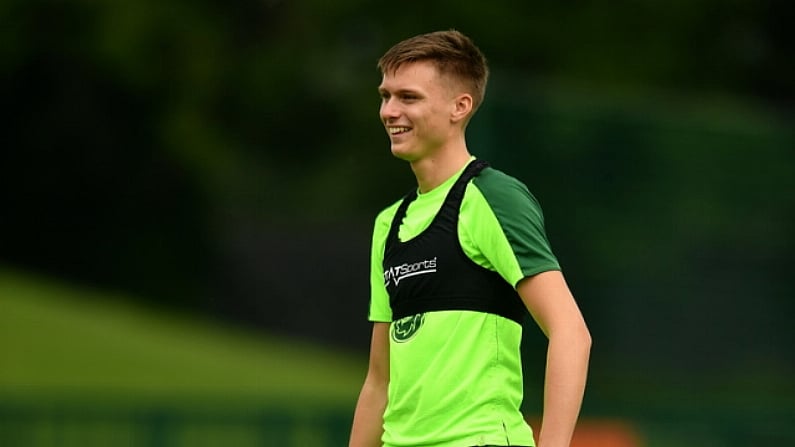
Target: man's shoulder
{"points": [[498, 186], [389, 212], [383, 219]]}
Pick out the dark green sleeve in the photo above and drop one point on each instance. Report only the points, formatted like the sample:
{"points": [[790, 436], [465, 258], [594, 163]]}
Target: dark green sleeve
{"points": [[521, 223]]}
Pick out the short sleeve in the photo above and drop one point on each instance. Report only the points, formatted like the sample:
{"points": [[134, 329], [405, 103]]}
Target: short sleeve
{"points": [[502, 227], [380, 311]]}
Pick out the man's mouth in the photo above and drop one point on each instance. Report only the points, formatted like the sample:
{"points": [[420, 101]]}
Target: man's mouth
{"points": [[397, 130]]}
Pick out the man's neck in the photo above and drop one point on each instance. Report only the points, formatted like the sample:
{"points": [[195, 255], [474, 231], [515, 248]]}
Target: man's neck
{"points": [[432, 171]]}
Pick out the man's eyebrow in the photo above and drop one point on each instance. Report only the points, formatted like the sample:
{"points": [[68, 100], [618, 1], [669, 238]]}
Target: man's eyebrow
{"points": [[402, 91]]}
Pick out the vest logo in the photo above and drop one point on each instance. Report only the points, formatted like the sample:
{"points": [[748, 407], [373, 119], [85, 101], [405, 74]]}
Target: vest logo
{"points": [[404, 329], [406, 270]]}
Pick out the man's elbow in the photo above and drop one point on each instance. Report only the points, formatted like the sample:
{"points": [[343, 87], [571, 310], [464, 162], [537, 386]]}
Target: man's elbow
{"points": [[579, 337], [585, 337]]}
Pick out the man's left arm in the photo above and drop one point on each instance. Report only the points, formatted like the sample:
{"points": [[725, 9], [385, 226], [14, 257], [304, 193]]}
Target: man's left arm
{"points": [[550, 302]]}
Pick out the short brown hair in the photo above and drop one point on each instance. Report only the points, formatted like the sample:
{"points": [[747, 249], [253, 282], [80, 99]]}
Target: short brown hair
{"points": [[451, 51]]}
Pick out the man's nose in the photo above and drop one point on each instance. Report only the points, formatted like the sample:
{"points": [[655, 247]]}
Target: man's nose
{"points": [[389, 110]]}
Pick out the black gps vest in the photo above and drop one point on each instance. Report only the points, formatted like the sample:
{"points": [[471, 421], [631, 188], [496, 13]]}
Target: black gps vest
{"points": [[431, 272]]}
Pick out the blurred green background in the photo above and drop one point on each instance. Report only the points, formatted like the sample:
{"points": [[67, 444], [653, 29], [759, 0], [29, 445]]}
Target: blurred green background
{"points": [[188, 190]]}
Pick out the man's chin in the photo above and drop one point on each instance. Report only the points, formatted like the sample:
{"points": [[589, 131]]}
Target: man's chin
{"points": [[402, 154]]}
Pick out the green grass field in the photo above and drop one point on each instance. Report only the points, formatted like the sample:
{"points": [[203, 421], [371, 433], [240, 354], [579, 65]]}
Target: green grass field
{"points": [[78, 364], [60, 341]]}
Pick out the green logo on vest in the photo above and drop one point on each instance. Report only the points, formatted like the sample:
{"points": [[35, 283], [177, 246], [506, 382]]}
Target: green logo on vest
{"points": [[405, 328]]}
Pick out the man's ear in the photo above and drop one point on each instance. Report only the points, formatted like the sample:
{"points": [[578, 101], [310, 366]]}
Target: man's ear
{"points": [[462, 107]]}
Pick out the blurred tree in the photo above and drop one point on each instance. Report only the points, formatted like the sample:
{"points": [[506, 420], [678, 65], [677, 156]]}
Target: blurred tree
{"points": [[171, 148]]}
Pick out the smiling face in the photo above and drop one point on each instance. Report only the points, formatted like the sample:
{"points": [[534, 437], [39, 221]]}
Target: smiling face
{"points": [[421, 110]]}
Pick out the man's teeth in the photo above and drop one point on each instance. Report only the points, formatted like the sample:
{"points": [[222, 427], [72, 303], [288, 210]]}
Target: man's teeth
{"points": [[397, 130]]}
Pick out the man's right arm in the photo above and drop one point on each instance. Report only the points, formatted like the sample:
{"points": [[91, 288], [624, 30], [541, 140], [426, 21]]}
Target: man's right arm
{"points": [[368, 420]]}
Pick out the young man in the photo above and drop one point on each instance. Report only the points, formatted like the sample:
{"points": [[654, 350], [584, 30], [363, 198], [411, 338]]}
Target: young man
{"points": [[455, 267]]}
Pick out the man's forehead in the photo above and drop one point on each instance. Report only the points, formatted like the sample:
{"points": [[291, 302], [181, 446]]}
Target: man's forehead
{"points": [[410, 75]]}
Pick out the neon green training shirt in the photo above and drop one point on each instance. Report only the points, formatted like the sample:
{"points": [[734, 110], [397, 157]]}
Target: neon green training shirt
{"points": [[456, 376]]}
